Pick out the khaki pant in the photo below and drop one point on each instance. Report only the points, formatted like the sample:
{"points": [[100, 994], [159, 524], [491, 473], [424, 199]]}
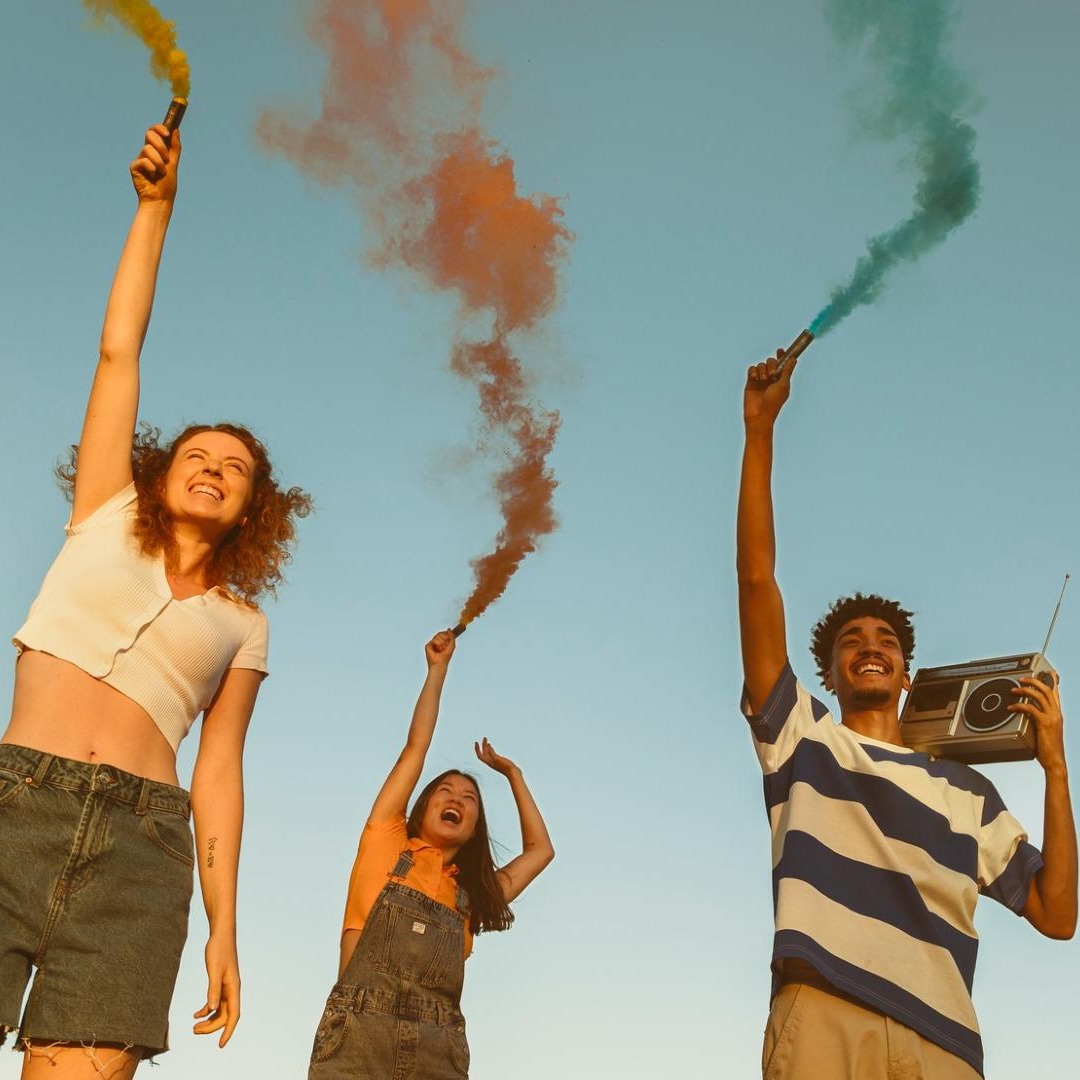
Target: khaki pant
{"points": [[812, 1035]]}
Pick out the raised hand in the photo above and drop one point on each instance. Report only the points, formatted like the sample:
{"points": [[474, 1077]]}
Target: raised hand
{"points": [[486, 753], [153, 172], [439, 649], [767, 388]]}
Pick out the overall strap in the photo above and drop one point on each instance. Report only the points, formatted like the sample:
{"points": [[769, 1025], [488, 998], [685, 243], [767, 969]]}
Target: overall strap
{"points": [[403, 865]]}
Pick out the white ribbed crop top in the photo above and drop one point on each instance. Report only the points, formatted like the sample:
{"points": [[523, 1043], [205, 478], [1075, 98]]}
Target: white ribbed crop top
{"points": [[107, 608]]}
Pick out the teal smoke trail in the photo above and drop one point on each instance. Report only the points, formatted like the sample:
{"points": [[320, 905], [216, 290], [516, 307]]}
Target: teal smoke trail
{"points": [[919, 99]]}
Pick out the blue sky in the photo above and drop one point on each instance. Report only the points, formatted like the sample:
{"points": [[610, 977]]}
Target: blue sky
{"points": [[705, 156]]}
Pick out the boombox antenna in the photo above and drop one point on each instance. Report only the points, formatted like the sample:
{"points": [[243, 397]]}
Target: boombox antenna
{"points": [[1057, 609]]}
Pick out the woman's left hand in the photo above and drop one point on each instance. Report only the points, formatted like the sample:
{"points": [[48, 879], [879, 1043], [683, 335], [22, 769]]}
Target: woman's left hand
{"points": [[486, 753], [222, 1008]]}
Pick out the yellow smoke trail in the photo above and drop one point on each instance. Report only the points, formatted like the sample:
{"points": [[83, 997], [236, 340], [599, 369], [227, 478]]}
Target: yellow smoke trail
{"points": [[156, 32]]}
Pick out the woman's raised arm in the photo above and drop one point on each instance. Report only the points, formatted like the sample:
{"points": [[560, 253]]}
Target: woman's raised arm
{"points": [[104, 462], [536, 847], [393, 799]]}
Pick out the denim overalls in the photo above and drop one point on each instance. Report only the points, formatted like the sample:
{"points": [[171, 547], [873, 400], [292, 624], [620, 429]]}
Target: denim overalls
{"points": [[395, 1013]]}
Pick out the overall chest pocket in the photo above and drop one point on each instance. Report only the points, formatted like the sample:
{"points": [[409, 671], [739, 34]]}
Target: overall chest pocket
{"points": [[404, 943]]}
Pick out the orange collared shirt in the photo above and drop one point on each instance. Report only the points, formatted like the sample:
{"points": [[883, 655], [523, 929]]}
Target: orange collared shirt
{"points": [[380, 846]]}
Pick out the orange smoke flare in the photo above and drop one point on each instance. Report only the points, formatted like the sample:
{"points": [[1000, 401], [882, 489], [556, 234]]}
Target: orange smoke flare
{"points": [[400, 126], [155, 32]]}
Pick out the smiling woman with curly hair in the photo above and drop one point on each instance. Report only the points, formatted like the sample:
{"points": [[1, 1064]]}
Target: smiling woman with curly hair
{"points": [[248, 561], [146, 619]]}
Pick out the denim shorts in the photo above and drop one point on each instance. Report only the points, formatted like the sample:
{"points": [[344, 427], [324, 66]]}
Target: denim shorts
{"points": [[95, 884]]}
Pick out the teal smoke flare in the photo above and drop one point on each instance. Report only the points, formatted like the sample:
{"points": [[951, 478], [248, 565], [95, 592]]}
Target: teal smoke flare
{"points": [[919, 98]]}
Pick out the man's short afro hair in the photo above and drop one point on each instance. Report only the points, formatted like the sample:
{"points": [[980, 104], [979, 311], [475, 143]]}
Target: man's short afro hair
{"points": [[853, 607]]}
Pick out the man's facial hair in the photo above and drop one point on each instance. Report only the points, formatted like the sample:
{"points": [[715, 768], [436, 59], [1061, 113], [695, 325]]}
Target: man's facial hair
{"points": [[869, 699]]}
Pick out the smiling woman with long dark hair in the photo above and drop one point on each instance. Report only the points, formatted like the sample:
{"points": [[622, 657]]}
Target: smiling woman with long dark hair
{"points": [[421, 888]]}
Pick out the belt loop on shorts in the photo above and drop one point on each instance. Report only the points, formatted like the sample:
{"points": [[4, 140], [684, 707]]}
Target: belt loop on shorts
{"points": [[144, 798], [43, 767]]}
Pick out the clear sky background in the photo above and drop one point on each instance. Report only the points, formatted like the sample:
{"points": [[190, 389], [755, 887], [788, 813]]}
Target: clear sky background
{"points": [[705, 157]]}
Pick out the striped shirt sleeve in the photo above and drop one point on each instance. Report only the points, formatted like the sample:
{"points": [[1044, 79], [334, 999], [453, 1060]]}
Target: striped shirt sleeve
{"points": [[788, 714], [1007, 862]]}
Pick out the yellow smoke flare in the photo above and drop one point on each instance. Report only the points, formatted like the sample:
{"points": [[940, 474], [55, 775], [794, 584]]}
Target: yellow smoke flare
{"points": [[155, 32]]}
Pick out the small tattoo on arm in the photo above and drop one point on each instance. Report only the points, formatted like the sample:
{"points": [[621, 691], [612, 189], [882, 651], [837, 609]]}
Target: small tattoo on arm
{"points": [[210, 845]]}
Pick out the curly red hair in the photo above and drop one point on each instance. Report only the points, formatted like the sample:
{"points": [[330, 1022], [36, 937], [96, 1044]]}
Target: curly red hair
{"points": [[249, 561]]}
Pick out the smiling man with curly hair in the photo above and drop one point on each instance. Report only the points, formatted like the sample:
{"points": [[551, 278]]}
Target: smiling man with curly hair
{"points": [[879, 852]]}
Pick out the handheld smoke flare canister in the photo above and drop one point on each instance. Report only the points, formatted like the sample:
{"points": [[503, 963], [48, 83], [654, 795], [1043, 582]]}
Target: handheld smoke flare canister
{"points": [[794, 350], [460, 629], [175, 113]]}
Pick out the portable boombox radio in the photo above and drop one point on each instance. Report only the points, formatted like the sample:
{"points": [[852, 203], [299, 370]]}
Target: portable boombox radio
{"points": [[961, 711]]}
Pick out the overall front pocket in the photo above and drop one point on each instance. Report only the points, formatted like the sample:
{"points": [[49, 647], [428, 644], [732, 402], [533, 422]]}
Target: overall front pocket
{"points": [[330, 1033], [458, 1047]]}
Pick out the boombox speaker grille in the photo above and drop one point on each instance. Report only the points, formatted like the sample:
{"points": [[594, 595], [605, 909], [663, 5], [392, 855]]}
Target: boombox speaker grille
{"points": [[987, 705]]}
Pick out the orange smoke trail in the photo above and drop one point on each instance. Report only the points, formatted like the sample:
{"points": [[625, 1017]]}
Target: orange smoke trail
{"points": [[155, 32], [527, 486], [471, 231], [400, 126]]}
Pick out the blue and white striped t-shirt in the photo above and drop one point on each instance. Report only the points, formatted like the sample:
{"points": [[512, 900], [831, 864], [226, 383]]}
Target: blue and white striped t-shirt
{"points": [[879, 854]]}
